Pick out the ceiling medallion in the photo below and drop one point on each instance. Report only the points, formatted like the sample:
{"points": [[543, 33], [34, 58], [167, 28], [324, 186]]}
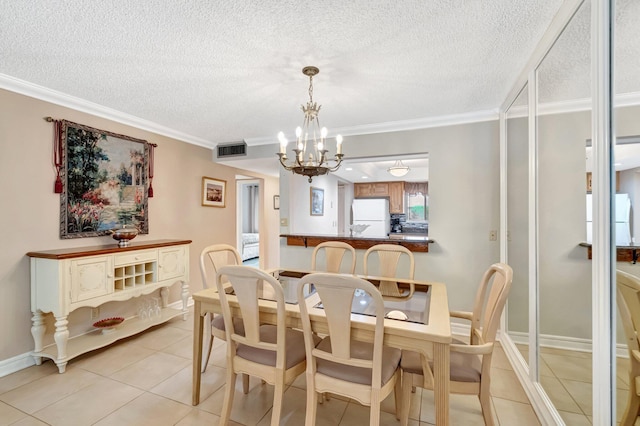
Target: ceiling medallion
{"points": [[311, 136]]}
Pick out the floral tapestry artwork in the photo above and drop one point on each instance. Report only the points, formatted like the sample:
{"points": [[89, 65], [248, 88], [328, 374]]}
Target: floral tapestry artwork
{"points": [[105, 178]]}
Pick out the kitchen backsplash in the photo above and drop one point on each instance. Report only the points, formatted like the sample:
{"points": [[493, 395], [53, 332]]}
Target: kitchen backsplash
{"points": [[399, 224]]}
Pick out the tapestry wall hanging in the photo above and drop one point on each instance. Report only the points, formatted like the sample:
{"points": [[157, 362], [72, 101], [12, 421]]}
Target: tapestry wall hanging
{"points": [[105, 180]]}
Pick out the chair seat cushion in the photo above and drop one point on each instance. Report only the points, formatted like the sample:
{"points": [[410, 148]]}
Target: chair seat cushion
{"points": [[361, 350], [294, 347], [218, 322], [464, 367]]}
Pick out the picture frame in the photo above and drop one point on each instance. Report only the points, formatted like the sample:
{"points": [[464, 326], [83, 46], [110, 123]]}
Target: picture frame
{"points": [[317, 201], [276, 202], [105, 181], [214, 192]]}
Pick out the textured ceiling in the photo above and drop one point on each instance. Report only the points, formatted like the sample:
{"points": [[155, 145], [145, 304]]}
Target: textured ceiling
{"points": [[223, 71]]}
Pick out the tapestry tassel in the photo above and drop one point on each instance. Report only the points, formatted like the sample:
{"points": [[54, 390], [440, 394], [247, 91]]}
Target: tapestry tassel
{"points": [[57, 153], [152, 147], [57, 187]]}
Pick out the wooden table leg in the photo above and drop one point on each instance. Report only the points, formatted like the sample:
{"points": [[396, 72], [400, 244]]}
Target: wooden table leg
{"points": [[441, 375], [198, 322]]}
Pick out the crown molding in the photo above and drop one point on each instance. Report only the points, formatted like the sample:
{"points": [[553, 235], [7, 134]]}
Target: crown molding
{"points": [[26, 88], [620, 101], [397, 126]]}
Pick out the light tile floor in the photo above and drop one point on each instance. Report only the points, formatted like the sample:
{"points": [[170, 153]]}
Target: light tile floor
{"points": [[146, 380], [566, 377]]}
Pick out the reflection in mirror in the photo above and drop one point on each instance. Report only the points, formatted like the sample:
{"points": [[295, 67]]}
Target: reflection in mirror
{"points": [[517, 124], [564, 271], [626, 51]]}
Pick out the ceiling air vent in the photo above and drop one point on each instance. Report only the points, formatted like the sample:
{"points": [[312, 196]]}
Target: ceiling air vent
{"points": [[232, 149]]}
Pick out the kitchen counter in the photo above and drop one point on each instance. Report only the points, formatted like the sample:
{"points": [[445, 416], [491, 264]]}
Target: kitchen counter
{"points": [[629, 253], [414, 242]]}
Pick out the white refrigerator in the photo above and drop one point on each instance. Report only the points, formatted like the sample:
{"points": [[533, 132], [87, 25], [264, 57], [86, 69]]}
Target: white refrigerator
{"points": [[373, 212], [623, 212]]}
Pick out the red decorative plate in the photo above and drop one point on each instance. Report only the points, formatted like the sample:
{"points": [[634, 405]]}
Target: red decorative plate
{"points": [[108, 322]]}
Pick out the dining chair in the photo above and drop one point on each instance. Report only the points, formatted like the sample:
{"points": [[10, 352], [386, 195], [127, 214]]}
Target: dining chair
{"points": [[274, 353], [389, 256], [333, 254], [628, 298], [470, 363], [339, 364], [218, 255]]}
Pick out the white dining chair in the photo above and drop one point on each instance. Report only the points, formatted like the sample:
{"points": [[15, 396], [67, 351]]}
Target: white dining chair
{"points": [[217, 256], [470, 363], [388, 256], [334, 252], [340, 364], [628, 299], [274, 353]]}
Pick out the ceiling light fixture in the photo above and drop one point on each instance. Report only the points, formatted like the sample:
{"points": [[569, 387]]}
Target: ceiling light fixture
{"points": [[316, 164], [398, 169]]}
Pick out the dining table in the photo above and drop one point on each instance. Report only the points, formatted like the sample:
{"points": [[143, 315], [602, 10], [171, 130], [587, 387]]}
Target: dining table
{"points": [[420, 323]]}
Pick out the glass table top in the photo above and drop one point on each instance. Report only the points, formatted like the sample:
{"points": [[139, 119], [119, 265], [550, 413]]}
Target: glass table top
{"points": [[416, 309]]}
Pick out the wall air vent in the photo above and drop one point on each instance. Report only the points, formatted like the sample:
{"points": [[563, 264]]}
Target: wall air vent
{"points": [[232, 149]]}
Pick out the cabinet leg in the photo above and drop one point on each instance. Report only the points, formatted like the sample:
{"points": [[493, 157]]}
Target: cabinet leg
{"points": [[61, 336], [164, 295], [37, 331], [185, 298], [62, 366]]}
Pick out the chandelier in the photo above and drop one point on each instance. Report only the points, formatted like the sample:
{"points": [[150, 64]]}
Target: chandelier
{"points": [[398, 169], [313, 162]]}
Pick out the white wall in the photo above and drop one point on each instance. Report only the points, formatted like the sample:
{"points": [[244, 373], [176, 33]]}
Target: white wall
{"points": [[298, 204], [463, 202]]}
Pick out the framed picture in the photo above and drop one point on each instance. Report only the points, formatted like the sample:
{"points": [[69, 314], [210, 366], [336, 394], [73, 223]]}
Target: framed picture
{"points": [[276, 202], [214, 192], [105, 177], [317, 201]]}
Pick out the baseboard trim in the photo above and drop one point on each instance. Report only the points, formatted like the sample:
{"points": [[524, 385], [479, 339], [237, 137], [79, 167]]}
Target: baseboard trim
{"points": [[563, 342]]}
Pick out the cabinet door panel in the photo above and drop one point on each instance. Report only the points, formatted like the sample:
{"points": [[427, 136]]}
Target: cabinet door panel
{"points": [[171, 263], [91, 277], [396, 197], [378, 189]]}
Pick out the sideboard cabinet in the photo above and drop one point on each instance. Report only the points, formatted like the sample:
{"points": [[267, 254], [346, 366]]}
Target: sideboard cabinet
{"points": [[67, 279]]}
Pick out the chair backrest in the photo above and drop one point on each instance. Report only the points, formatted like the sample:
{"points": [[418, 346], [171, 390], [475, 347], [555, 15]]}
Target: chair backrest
{"points": [[489, 303], [334, 253], [336, 294], [628, 298], [389, 256], [219, 255], [248, 284]]}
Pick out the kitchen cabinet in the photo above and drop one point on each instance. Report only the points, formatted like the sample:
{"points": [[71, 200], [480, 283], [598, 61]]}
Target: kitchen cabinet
{"points": [[396, 197], [67, 279], [376, 189]]}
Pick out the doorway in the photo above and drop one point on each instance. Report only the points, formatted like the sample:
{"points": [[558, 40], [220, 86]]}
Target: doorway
{"points": [[248, 221]]}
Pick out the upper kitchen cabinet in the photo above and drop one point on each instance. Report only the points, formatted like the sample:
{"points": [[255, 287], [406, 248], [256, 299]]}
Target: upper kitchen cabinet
{"points": [[393, 190], [396, 197], [368, 190]]}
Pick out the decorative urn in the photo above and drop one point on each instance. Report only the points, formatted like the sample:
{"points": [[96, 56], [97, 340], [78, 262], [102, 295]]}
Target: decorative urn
{"points": [[124, 235]]}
